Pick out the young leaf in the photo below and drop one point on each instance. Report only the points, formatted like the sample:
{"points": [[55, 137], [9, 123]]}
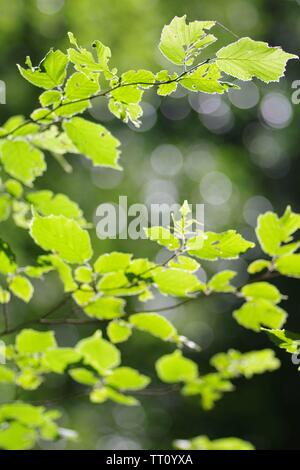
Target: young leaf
{"points": [[289, 265], [163, 237], [52, 72], [105, 308], [258, 265], [185, 263], [119, 331], [245, 59], [233, 363], [284, 339], [112, 262], [83, 376], [168, 83], [22, 161], [261, 312], [204, 443], [21, 287], [177, 282], [220, 282], [268, 232], [181, 42], [63, 236], [210, 387], [7, 259], [225, 245], [261, 290], [6, 375], [80, 86], [94, 141], [126, 378], [174, 368], [48, 203], [58, 359], [206, 79], [154, 324], [99, 353], [31, 341]]}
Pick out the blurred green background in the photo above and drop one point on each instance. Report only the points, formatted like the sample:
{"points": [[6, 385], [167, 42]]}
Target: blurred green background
{"points": [[237, 154]]}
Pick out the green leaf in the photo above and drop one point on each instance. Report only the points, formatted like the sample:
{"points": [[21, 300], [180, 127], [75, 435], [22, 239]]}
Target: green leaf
{"points": [[7, 259], [80, 86], [119, 331], [50, 97], [204, 443], [163, 237], [83, 376], [181, 42], [261, 312], [185, 263], [112, 262], [126, 378], [14, 188], [100, 395], [258, 265], [174, 368], [220, 282], [4, 296], [83, 59], [165, 89], [5, 207], [205, 79], [268, 232], [51, 73], [94, 141], [22, 161], [225, 245], [28, 379], [84, 295], [233, 363], [154, 324], [177, 282], [142, 78], [58, 359], [21, 287], [84, 274], [210, 387], [6, 375], [63, 236], [105, 308], [261, 290], [63, 269], [99, 353], [284, 339], [289, 265], [245, 59], [54, 141], [31, 341], [48, 203], [290, 223], [16, 436]]}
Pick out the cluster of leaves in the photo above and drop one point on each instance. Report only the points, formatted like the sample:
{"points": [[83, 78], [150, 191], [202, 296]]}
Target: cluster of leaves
{"points": [[98, 286]]}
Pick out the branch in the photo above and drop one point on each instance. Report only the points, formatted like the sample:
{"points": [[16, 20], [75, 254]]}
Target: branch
{"points": [[97, 95], [8, 331]]}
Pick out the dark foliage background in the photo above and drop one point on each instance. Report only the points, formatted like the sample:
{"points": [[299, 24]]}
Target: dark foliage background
{"points": [[238, 154]]}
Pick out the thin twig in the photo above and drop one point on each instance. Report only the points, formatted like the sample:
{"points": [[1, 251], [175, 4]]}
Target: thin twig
{"points": [[98, 95], [8, 331]]}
